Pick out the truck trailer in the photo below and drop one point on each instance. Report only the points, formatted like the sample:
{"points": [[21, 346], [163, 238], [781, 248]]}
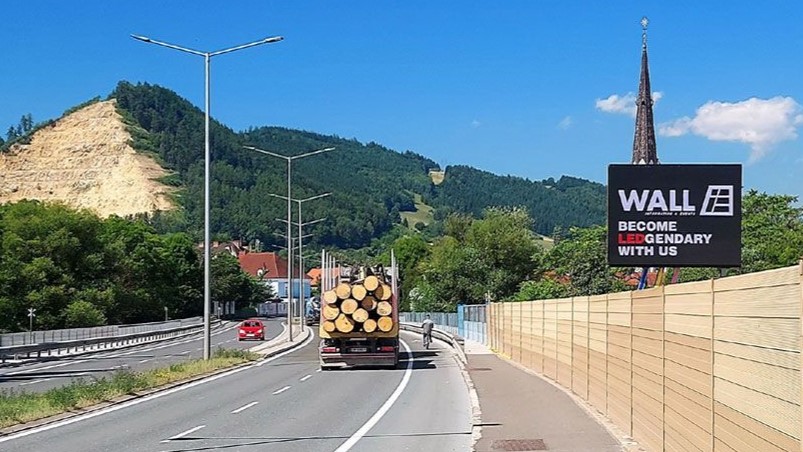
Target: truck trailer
{"points": [[359, 318]]}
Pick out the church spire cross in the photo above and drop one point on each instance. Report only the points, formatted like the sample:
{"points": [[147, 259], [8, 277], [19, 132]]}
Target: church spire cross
{"points": [[644, 148]]}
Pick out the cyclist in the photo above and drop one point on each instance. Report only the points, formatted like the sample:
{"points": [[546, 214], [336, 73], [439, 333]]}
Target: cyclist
{"points": [[427, 326]]}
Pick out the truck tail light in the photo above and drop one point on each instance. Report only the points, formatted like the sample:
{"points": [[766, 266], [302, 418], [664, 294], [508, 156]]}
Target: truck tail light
{"points": [[386, 348], [330, 350]]}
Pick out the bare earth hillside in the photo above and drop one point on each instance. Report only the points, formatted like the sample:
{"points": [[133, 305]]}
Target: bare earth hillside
{"points": [[85, 161]]}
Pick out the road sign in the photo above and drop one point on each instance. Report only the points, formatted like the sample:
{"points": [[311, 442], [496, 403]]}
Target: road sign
{"points": [[31, 312]]}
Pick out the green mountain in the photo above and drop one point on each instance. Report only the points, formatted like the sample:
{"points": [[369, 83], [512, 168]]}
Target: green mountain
{"points": [[370, 184]]}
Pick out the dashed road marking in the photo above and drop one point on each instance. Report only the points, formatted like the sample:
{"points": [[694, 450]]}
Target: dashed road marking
{"points": [[279, 391], [305, 378], [183, 434], [244, 407]]}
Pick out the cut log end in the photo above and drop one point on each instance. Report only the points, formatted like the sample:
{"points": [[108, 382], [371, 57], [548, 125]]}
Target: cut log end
{"points": [[371, 283], [330, 297], [330, 312], [328, 326], [384, 308], [385, 324], [368, 303], [383, 292], [369, 326], [358, 292], [360, 315], [348, 306], [344, 324], [343, 290]]}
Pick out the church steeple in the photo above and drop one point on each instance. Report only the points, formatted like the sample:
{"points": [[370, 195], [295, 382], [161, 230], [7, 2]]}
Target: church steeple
{"points": [[644, 149]]}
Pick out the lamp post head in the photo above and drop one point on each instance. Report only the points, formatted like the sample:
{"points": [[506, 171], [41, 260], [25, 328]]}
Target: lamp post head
{"points": [[273, 39], [141, 38]]}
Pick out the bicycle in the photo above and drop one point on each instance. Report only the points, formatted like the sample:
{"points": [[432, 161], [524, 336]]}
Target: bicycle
{"points": [[427, 340]]}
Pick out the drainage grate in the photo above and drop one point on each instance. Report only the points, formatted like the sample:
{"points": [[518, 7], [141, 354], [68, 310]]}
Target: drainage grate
{"points": [[518, 445], [479, 368]]}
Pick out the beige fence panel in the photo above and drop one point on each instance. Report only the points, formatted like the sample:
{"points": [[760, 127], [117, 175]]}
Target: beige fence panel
{"points": [[619, 360], [507, 329], [580, 347], [598, 352], [710, 365], [527, 334], [551, 339], [688, 366], [757, 360], [516, 327], [538, 336], [648, 362], [564, 315]]}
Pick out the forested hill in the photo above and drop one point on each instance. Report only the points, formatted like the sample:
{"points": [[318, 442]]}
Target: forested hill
{"points": [[567, 202], [370, 184]]}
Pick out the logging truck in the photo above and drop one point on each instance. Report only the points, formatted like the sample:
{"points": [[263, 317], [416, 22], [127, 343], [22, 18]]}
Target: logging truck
{"points": [[359, 324]]}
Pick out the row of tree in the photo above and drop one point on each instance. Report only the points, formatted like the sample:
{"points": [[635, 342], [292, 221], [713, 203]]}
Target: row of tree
{"points": [[497, 257], [78, 270]]}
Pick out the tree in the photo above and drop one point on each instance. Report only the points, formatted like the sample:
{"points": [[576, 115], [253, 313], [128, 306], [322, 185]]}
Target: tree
{"points": [[504, 239], [544, 289], [582, 258], [80, 314], [772, 231]]}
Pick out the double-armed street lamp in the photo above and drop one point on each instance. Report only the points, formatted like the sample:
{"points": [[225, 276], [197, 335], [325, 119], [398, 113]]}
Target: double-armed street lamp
{"points": [[289, 159], [207, 157], [301, 238]]}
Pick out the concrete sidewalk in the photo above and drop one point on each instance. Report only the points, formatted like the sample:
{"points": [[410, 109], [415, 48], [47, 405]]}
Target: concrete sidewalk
{"points": [[523, 412]]}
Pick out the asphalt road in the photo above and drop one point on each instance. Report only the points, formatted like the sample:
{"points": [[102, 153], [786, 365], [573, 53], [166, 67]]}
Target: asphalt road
{"points": [[284, 404], [41, 376]]}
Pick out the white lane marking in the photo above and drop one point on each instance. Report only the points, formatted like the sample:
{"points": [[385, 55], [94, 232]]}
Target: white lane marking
{"points": [[199, 349], [144, 361], [35, 381], [383, 409], [155, 395], [53, 366], [305, 378], [279, 391], [182, 434], [244, 407]]}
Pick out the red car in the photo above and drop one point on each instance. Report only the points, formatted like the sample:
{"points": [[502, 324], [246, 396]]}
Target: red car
{"points": [[251, 329]]}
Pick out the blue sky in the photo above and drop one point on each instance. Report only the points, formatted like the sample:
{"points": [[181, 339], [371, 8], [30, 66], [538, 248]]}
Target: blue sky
{"points": [[530, 88]]}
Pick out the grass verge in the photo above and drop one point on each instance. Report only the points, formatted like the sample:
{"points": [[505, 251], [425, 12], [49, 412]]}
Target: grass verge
{"points": [[19, 407]]}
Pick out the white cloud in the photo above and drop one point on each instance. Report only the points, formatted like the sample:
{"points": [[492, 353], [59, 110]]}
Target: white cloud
{"points": [[760, 123], [565, 123], [623, 104], [475, 124]]}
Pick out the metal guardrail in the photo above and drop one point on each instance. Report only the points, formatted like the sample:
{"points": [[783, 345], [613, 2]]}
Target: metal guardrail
{"points": [[67, 334], [100, 343]]}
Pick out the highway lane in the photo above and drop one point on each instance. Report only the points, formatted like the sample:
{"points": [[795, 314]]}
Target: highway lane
{"points": [[41, 376], [286, 405]]}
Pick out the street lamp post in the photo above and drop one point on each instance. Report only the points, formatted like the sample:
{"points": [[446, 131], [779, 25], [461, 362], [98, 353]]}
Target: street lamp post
{"points": [[289, 159], [300, 241], [207, 157]]}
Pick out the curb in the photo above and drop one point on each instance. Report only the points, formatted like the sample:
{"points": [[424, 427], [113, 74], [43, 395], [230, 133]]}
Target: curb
{"points": [[280, 348]]}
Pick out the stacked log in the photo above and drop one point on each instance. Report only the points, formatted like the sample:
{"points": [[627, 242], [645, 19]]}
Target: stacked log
{"points": [[359, 306]]}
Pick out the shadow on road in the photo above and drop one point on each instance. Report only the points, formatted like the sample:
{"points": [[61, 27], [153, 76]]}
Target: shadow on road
{"points": [[243, 442], [33, 375]]}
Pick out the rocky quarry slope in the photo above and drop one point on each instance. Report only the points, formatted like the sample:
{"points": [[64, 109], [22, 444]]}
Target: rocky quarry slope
{"points": [[85, 160]]}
